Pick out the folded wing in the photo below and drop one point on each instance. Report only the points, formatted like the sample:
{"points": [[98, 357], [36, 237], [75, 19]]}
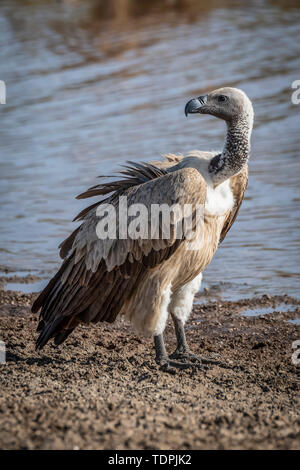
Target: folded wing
{"points": [[97, 276]]}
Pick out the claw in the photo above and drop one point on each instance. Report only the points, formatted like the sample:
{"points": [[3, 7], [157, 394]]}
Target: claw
{"points": [[188, 355], [168, 365]]}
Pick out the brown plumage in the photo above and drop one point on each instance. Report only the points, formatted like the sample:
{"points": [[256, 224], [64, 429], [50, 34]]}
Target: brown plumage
{"points": [[74, 291]]}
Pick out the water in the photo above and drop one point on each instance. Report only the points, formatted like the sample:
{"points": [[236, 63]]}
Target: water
{"points": [[27, 288], [296, 321], [283, 308], [92, 84]]}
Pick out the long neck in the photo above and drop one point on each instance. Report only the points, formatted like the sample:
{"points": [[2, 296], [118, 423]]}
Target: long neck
{"points": [[235, 153]]}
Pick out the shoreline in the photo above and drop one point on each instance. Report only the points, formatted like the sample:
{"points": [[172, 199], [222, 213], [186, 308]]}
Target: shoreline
{"points": [[103, 390]]}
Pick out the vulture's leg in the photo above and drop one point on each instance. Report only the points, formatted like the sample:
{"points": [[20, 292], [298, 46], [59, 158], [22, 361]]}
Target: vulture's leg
{"points": [[182, 350], [180, 307], [182, 346], [162, 358]]}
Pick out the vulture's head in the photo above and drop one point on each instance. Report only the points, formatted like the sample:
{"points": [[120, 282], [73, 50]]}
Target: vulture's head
{"points": [[229, 104]]}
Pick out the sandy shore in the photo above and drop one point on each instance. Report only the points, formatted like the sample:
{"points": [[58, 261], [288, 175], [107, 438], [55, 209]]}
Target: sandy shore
{"points": [[103, 390]]}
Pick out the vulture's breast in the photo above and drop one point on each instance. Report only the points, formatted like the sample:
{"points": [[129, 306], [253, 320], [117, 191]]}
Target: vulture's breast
{"points": [[219, 200]]}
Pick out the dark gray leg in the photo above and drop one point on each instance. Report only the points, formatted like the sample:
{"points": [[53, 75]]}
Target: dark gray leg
{"points": [[162, 358], [182, 350], [182, 346], [160, 349]]}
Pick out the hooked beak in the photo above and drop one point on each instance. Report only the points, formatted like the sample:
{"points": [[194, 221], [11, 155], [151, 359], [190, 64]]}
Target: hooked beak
{"points": [[194, 105]]}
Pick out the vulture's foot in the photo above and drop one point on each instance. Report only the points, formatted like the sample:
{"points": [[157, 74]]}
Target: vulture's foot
{"points": [[168, 365], [165, 362], [187, 355], [183, 352]]}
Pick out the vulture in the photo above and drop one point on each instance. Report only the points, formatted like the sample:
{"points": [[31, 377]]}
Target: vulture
{"points": [[148, 277]]}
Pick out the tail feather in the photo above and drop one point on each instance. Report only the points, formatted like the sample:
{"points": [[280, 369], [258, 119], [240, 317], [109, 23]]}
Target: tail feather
{"points": [[49, 331], [41, 325], [62, 336]]}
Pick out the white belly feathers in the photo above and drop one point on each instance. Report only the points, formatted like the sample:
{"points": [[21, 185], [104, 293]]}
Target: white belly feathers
{"points": [[219, 200]]}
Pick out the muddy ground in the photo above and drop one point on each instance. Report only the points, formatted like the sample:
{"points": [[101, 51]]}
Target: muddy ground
{"points": [[103, 390]]}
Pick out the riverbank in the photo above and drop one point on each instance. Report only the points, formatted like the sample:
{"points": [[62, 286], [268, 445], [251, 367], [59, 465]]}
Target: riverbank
{"points": [[103, 390]]}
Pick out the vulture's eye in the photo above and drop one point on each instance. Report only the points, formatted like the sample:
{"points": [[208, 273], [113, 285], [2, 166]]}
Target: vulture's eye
{"points": [[222, 98]]}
